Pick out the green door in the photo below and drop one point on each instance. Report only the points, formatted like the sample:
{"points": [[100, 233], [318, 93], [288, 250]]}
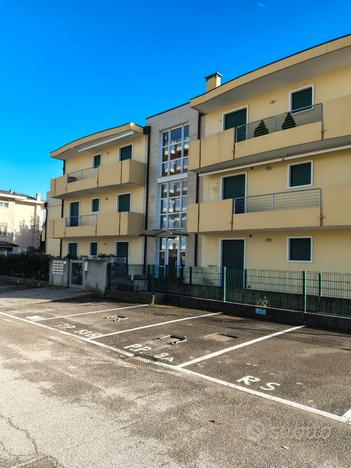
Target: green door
{"points": [[235, 187], [233, 257], [122, 250], [237, 119], [74, 214]]}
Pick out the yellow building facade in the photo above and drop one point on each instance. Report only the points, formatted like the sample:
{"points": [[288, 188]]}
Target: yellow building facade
{"points": [[103, 194], [274, 160]]}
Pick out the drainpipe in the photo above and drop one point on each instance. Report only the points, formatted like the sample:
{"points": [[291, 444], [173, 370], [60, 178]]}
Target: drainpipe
{"points": [[147, 131], [62, 203], [196, 247], [46, 226]]}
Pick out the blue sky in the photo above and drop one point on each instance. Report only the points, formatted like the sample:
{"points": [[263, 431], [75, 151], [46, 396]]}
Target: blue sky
{"points": [[70, 68]]}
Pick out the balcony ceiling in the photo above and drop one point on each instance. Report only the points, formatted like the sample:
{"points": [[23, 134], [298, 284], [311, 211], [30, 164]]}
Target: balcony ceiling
{"points": [[298, 67]]}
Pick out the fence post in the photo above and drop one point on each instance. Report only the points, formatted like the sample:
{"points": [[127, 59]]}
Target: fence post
{"points": [[304, 287], [190, 275], [224, 284], [320, 284]]}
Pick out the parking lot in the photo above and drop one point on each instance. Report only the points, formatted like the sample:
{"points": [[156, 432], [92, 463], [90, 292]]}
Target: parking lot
{"points": [[305, 369]]}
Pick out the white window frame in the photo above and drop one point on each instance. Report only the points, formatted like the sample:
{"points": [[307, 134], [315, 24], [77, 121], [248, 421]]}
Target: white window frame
{"points": [[299, 164], [297, 90], [181, 180], [97, 248], [125, 241], [91, 205], [183, 173], [4, 204], [234, 110], [3, 225], [92, 159], [288, 249], [130, 202], [125, 146]]}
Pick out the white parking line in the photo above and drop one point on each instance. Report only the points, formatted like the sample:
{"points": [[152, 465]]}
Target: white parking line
{"points": [[156, 325], [344, 419], [238, 346], [292, 404], [347, 415], [95, 312]]}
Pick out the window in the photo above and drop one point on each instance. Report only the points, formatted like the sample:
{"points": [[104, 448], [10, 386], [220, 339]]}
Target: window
{"points": [[95, 205], [125, 153], [301, 99], [3, 229], [72, 249], [238, 120], [122, 250], [174, 197], [172, 251], [123, 202], [4, 204], [93, 248], [97, 160], [300, 175], [300, 249], [175, 148]]}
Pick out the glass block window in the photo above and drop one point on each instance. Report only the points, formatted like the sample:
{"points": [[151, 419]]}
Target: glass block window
{"points": [[175, 149], [3, 229], [173, 204]]}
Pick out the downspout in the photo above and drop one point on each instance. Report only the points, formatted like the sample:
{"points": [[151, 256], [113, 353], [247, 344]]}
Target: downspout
{"points": [[147, 131], [46, 226], [196, 246], [62, 204]]}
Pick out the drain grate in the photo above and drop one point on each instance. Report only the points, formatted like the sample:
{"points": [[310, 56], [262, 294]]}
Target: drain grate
{"points": [[221, 337]]}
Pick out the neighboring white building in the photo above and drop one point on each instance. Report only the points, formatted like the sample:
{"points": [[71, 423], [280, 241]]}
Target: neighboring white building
{"points": [[21, 220], [53, 211]]}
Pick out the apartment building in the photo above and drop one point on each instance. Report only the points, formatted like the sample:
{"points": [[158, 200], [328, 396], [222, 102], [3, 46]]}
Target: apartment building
{"points": [[103, 194], [254, 173], [274, 165], [21, 220]]}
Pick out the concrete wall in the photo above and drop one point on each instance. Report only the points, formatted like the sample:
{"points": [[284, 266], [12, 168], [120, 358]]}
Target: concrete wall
{"points": [[172, 118]]}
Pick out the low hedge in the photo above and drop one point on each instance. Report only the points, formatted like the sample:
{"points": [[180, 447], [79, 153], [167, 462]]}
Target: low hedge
{"points": [[31, 265]]}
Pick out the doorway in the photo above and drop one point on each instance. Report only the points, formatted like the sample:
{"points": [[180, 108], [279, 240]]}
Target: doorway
{"points": [[234, 187], [233, 258]]}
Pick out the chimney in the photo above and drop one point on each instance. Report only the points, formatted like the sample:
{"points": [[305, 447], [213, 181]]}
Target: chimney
{"points": [[38, 196], [213, 81]]}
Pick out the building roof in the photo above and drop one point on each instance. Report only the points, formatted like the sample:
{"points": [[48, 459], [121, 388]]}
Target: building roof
{"points": [[16, 194], [299, 66]]}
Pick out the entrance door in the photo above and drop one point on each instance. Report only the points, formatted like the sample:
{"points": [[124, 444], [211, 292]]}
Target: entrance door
{"points": [[76, 276], [74, 214], [237, 120], [235, 187], [233, 257]]}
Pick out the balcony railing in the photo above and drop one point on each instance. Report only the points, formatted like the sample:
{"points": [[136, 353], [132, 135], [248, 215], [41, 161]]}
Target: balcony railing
{"points": [[309, 198], [280, 122], [82, 174], [86, 220]]}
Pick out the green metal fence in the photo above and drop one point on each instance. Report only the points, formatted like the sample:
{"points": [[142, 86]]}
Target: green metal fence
{"points": [[309, 291]]}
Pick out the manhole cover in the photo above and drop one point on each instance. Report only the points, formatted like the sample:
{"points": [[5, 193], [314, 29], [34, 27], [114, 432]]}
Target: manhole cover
{"points": [[169, 339], [115, 318], [221, 337]]}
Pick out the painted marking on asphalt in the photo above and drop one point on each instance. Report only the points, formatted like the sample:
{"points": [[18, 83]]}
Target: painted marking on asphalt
{"points": [[344, 419], [35, 318], [283, 401], [159, 324], [347, 415], [238, 346], [96, 312]]}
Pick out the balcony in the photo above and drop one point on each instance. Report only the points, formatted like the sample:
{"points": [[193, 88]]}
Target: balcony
{"points": [[295, 209], [100, 225], [121, 173]]}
